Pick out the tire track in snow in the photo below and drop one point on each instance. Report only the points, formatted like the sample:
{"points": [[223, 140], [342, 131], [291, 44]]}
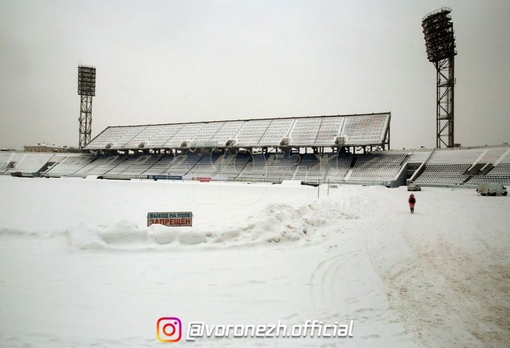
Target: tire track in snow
{"points": [[452, 290], [347, 286]]}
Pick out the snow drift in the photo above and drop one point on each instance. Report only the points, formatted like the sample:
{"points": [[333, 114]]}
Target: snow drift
{"points": [[277, 223]]}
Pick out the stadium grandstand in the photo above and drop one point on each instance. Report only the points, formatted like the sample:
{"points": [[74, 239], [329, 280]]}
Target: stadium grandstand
{"points": [[337, 149]]}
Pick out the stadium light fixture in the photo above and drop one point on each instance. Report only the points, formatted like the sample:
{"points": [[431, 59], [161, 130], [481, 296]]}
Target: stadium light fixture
{"points": [[86, 90], [440, 46]]}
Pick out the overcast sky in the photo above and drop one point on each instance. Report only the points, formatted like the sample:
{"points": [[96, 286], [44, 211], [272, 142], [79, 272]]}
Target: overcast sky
{"points": [[185, 60]]}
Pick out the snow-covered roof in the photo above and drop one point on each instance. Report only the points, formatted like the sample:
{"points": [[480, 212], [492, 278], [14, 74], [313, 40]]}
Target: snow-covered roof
{"points": [[350, 130]]}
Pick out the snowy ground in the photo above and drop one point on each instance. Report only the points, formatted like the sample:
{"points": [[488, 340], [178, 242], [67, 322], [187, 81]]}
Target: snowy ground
{"points": [[79, 268]]}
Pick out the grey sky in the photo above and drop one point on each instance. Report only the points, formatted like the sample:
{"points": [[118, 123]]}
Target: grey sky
{"points": [[178, 61]]}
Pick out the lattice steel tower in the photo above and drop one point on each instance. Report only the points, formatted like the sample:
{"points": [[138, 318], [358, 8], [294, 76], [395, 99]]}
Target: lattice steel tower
{"points": [[440, 44], [86, 90]]}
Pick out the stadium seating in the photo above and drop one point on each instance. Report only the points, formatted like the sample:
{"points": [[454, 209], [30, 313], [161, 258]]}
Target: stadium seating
{"points": [[377, 167], [231, 164], [71, 164], [454, 156], [161, 165], [500, 172], [442, 167], [135, 165], [183, 164], [8, 160], [102, 164], [444, 174], [419, 156], [258, 167], [337, 167], [492, 155], [283, 166], [455, 167], [27, 162], [311, 168], [5, 157]]}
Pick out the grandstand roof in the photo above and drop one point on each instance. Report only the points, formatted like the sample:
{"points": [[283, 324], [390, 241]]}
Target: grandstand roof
{"points": [[335, 130]]}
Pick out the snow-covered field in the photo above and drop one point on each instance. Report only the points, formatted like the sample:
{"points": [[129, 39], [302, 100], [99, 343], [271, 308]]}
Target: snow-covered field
{"points": [[79, 267]]}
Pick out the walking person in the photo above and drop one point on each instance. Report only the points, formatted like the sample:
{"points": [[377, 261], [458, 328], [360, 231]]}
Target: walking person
{"points": [[412, 202]]}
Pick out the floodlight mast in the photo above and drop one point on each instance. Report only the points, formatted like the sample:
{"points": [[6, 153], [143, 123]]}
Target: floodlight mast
{"points": [[440, 45], [86, 90]]}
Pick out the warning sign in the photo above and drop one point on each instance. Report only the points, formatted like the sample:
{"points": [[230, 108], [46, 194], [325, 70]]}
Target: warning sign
{"points": [[173, 219]]}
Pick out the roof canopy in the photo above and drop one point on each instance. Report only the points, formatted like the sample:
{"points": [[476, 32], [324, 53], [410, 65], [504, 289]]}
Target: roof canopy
{"points": [[321, 131]]}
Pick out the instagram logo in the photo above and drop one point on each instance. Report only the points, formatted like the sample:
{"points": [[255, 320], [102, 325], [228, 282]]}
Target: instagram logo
{"points": [[169, 329]]}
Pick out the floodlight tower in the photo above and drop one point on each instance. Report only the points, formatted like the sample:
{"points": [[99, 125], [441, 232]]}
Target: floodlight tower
{"points": [[440, 44], [86, 90]]}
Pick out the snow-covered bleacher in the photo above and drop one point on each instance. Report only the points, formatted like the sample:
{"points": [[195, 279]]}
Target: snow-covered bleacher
{"points": [[419, 156], [183, 164], [100, 165], [257, 167], [466, 166], [448, 167], [206, 166], [9, 160], [377, 167], [5, 160], [500, 174], [69, 165], [161, 165], [444, 174], [232, 164], [312, 167], [27, 162], [499, 170], [492, 155], [272, 167], [135, 165], [284, 166], [454, 156], [338, 166], [431, 167]]}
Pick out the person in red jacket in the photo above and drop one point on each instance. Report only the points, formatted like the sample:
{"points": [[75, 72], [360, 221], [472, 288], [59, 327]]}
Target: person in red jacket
{"points": [[412, 202]]}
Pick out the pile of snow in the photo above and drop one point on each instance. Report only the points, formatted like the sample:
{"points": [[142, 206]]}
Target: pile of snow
{"points": [[277, 223]]}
